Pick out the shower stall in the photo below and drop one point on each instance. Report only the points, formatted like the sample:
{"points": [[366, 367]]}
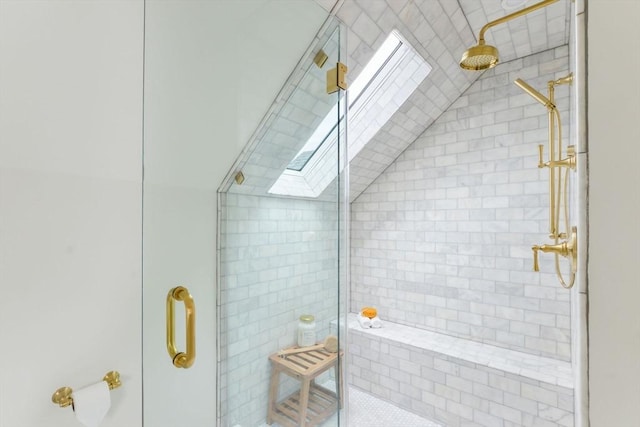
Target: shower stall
{"points": [[428, 212]]}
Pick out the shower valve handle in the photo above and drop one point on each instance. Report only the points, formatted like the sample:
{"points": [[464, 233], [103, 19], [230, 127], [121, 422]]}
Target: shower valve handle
{"points": [[535, 249], [562, 248], [541, 163], [567, 248]]}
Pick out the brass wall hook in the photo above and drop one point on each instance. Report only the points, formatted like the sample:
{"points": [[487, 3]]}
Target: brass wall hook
{"points": [[63, 396]]}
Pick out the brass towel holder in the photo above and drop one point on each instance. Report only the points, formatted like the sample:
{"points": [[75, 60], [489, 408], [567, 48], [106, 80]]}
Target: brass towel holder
{"points": [[63, 395]]}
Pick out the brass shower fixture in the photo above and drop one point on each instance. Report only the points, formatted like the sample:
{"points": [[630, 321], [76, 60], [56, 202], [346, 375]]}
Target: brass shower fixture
{"points": [[558, 189], [483, 56], [535, 94], [568, 249]]}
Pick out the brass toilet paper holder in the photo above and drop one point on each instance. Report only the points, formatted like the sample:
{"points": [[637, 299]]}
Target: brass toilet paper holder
{"points": [[63, 397]]}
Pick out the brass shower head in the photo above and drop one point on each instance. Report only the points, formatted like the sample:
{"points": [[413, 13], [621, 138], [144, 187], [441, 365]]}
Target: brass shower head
{"points": [[483, 56], [479, 57]]}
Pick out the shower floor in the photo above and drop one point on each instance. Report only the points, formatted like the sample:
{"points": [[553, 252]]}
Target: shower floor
{"points": [[366, 410]]}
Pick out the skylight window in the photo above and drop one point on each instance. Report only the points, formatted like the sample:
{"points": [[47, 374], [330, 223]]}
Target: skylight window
{"points": [[375, 66], [384, 84]]}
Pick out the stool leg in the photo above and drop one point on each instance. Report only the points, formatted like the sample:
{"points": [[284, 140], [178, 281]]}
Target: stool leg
{"points": [[339, 383], [304, 401], [273, 394]]}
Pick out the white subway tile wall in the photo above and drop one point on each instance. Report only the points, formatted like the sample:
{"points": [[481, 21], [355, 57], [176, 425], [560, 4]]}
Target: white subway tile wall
{"points": [[279, 260], [442, 239]]}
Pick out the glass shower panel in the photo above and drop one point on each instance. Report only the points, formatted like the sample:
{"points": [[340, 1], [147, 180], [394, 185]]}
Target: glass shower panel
{"points": [[282, 253]]}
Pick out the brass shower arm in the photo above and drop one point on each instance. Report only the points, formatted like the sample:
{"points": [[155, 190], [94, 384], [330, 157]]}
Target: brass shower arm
{"points": [[512, 16]]}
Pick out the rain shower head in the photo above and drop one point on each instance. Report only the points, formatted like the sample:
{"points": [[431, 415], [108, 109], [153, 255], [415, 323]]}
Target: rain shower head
{"points": [[483, 56], [479, 57], [534, 93]]}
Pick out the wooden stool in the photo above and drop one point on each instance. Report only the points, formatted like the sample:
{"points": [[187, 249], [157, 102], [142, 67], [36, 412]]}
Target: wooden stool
{"points": [[312, 404]]}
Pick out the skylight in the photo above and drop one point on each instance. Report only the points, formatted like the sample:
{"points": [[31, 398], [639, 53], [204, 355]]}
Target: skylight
{"points": [[384, 84]]}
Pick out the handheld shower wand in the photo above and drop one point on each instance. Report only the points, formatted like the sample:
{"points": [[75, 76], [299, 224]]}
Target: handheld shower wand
{"points": [[535, 94]]}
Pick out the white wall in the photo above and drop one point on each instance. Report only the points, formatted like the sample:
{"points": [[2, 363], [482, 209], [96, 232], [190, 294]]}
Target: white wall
{"points": [[70, 191], [70, 184], [614, 205]]}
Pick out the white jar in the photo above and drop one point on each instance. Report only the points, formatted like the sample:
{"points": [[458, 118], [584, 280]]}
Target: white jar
{"points": [[306, 330]]}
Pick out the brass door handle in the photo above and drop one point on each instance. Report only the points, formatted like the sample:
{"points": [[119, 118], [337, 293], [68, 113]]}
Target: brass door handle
{"points": [[181, 359]]}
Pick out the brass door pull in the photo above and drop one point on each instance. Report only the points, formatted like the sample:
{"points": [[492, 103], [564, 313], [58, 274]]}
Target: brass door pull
{"points": [[181, 359]]}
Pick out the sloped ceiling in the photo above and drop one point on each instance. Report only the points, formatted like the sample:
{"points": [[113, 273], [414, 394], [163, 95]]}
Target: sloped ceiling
{"points": [[440, 31]]}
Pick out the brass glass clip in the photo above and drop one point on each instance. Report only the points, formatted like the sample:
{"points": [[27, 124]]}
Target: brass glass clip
{"points": [[63, 396], [337, 78], [181, 359]]}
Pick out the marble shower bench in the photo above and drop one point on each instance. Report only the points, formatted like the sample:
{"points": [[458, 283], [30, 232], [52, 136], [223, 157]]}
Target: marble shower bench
{"points": [[459, 382]]}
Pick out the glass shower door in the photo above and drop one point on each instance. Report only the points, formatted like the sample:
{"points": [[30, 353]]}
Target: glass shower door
{"points": [[211, 70], [282, 256]]}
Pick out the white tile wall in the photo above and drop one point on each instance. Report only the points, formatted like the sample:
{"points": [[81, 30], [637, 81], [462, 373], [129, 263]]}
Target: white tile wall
{"points": [[442, 239], [279, 260]]}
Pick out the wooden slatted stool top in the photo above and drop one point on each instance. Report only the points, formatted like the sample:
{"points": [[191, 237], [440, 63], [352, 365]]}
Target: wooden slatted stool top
{"points": [[305, 361], [312, 404]]}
